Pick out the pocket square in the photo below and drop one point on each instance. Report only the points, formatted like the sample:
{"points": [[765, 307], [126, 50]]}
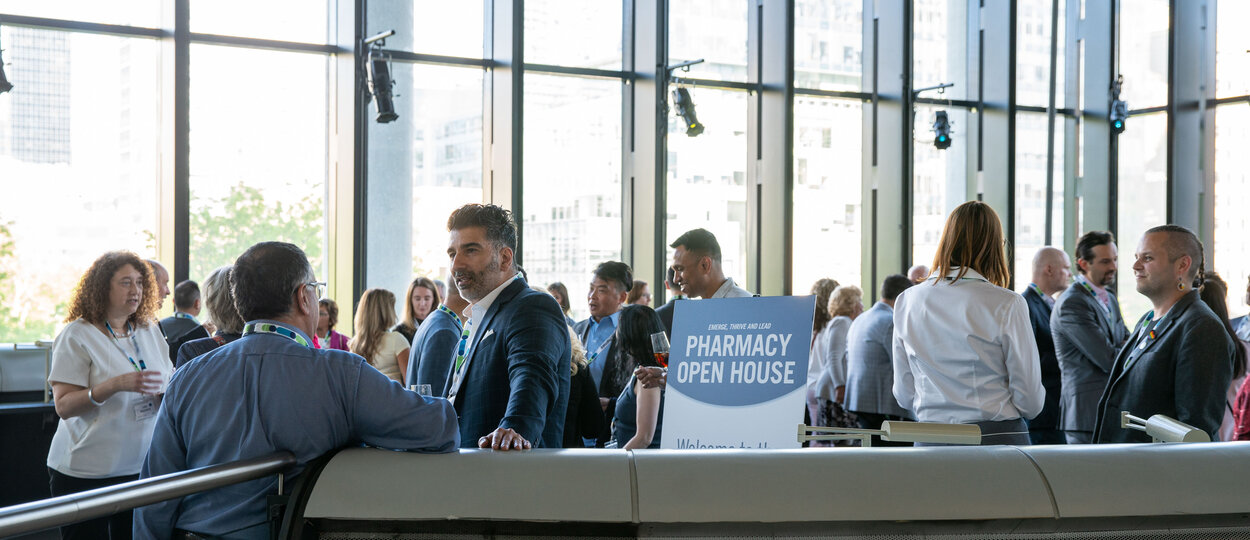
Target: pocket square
{"points": [[487, 335]]}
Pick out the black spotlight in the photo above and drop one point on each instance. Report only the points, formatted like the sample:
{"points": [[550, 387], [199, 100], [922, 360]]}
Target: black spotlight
{"points": [[1119, 115], [685, 109], [5, 85], [380, 84], [941, 130]]}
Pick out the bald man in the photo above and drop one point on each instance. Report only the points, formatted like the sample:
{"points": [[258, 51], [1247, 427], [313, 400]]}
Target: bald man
{"points": [[162, 281], [918, 273], [1051, 271]]}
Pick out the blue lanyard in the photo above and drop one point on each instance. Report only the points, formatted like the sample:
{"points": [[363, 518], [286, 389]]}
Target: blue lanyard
{"points": [[181, 315], [268, 328], [140, 365], [1037, 290]]}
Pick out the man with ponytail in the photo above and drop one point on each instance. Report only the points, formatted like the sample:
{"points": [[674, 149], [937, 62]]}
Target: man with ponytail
{"points": [[1178, 361]]}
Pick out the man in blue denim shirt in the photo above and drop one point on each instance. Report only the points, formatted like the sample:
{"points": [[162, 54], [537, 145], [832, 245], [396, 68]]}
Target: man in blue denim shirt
{"points": [[269, 391]]}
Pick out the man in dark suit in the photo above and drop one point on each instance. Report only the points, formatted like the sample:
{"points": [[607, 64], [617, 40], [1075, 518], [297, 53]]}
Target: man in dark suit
{"points": [[1179, 360], [182, 326], [666, 311], [1087, 329], [510, 387], [434, 345], [609, 287], [1050, 275]]}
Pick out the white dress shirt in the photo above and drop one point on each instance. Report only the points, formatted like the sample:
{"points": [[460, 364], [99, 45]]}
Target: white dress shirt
{"points": [[964, 352]]}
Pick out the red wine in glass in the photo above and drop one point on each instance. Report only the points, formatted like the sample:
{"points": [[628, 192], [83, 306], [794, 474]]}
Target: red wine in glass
{"points": [[661, 359]]}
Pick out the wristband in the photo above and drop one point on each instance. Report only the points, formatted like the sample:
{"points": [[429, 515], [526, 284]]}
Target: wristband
{"points": [[92, 398]]}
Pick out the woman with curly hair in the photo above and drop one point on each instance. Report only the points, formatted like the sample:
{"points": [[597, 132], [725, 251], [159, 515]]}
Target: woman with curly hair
{"points": [[108, 369], [422, 299], [386, 351], [845, 305], [817, 361]]}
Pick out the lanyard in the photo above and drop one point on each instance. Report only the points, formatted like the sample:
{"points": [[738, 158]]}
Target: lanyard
{"points": [[181, 315], [269, 328], [140, 365], [1037, 290], [443, 308], [595, 355], [464, 342], [1106, 307]]}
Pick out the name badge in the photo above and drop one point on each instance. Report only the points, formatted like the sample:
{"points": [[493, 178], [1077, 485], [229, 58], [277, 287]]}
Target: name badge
{"points": [[146, 408]]}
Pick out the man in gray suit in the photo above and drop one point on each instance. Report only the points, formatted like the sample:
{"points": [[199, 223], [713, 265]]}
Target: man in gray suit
{"points": [[1088, 330], [869, 370]]}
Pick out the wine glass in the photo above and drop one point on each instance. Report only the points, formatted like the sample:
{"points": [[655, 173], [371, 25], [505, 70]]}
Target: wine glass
{"points": [[659, 347]]}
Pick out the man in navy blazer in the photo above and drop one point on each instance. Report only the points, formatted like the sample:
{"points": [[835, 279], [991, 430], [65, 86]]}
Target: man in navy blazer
{"points": [[1050, 275], [1088, 330], [434, 345], [510, 386], [1179, 361]]}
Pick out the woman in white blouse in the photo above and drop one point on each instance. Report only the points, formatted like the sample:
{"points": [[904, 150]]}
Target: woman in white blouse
{"points": [[384, 349], [108, 370], [964, 351], [845, 304]]}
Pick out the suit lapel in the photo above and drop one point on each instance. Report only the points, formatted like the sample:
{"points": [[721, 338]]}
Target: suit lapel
{"points": [[480, 333], [1148, 343], [1104, 321]]}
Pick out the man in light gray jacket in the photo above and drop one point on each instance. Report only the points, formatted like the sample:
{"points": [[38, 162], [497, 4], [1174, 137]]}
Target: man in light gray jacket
{"points": [[869, 370]]}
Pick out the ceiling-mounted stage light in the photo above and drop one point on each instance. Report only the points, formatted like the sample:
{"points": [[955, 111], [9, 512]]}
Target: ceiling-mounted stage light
{"points": [[685, 109], [5, 85], [941, 130], [1119, 108], [378, 72]]}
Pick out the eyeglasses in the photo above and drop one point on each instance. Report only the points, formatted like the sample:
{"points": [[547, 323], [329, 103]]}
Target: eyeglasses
{"points": [[319, 286]]}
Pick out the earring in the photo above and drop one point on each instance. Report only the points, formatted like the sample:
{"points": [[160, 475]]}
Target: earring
{"points": [[1180, 285]]}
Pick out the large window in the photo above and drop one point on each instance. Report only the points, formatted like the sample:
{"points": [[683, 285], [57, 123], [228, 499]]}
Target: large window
{"points": [[712, 30], [286, 20], [1142, 200], [1031, 194], [1231, 252], [1144, 53], [1232, 49], [258, 160], [145, 13], [828, 194], [1033, 34], [828, 44], [573, 33], [572, 205], [79, 162], [707, 184]]}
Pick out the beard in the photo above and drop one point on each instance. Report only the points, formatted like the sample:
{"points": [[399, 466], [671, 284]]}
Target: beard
{"points": [[478, 284]]}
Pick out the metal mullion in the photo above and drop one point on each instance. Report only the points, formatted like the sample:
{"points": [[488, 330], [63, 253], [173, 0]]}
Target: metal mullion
{"points": [[837, 94], [82, 26], [270, 44], [575, 71], [438, 59], [722, 85]]}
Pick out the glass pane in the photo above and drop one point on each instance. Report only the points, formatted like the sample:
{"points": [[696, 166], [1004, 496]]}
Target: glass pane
{"points": [[707, 179], [421, 167], [429, 26], [145, 13], [939, 48], [1232, 61], [1142, 201], [828, 44], [828, 192], [285, 20], [572, 192], [573, 33], [714, 30], [258, 166], [1144, 55], [1231, 252], [1031, 193], [939, 181], [1033, 34], [80, 163]]}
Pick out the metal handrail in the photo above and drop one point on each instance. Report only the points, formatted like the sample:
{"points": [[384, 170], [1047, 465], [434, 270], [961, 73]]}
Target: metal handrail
{"points": [[58, 511]]}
